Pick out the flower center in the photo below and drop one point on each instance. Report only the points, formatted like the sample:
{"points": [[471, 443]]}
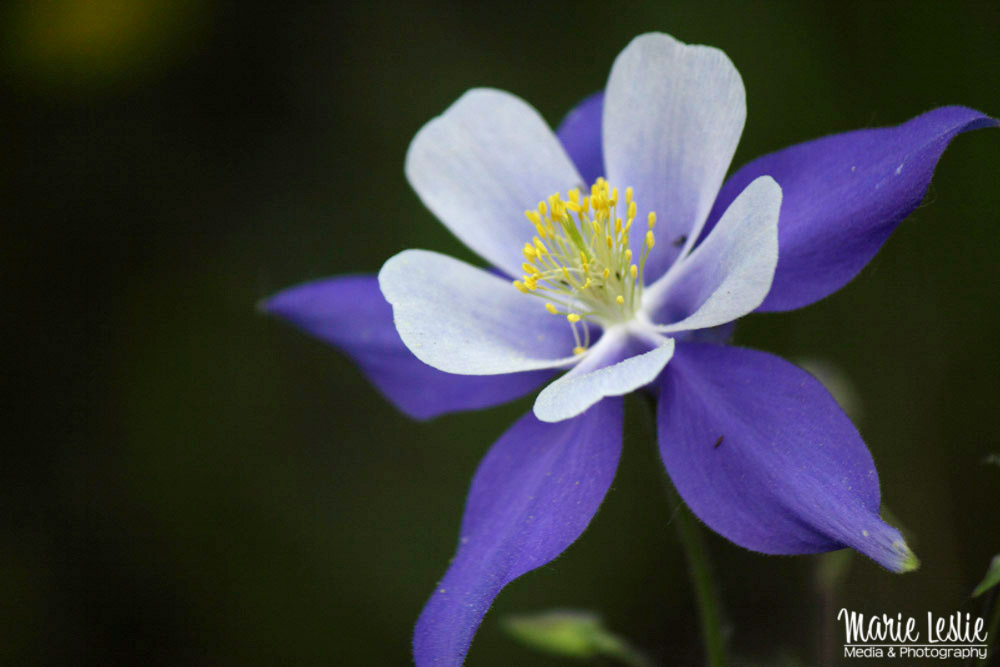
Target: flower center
{"points": [[580, 262]]}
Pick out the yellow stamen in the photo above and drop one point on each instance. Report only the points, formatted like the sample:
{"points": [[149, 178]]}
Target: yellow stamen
{"points": [[579, 350], [583, 269]]}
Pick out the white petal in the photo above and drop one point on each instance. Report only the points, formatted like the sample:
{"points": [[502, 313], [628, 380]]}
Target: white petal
{"points": [[478, 166], [730, 273], [673, 114], [577, 390], [461, 319]]}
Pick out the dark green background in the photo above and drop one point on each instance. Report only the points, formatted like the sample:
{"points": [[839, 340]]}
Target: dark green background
{"points": [[187, 482]]}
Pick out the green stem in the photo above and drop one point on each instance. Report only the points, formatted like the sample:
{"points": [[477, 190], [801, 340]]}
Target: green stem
{"points": [[699, 568], [706, 595]]}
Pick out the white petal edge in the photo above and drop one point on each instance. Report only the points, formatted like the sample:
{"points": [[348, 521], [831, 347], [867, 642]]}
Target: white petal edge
{"points": [[736, 262], [673, 116], [478, 166], [462, 319], [575, 391]]}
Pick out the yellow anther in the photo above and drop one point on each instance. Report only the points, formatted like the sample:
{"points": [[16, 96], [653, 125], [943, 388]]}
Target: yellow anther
{"points": [[585, 256], [652, 219], [579, 350], [649, 239]]}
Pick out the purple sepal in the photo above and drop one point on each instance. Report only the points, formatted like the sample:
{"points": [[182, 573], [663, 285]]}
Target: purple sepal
{"points": [[842, 197], [532, 496], [351, 313], [580, 134], [762, 453]]}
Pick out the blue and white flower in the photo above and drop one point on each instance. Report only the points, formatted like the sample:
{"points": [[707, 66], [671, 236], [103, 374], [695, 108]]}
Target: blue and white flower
{"points": [[620, 252]]}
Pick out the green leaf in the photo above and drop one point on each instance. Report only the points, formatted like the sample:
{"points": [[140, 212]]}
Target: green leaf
{"points": [[572, 634], [991, 579]]}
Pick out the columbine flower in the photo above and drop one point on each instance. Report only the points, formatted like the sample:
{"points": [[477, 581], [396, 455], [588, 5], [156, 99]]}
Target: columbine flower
{"points": [[617, 251]]}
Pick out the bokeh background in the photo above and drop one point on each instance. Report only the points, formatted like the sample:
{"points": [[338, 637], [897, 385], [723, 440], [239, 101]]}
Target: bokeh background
{"points": [[187, 482]]}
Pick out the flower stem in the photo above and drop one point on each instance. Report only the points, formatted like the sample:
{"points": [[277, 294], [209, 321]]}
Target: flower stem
{"points": [[706, 595], [699, 568]]}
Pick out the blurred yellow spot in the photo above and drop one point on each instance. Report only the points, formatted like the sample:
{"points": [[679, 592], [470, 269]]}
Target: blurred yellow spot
{"points": [[70, 45]]}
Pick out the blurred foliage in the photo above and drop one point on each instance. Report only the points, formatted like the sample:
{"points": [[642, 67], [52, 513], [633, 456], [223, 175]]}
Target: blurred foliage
{"points": [[186, 482], [991, 579], [571, 634]]}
